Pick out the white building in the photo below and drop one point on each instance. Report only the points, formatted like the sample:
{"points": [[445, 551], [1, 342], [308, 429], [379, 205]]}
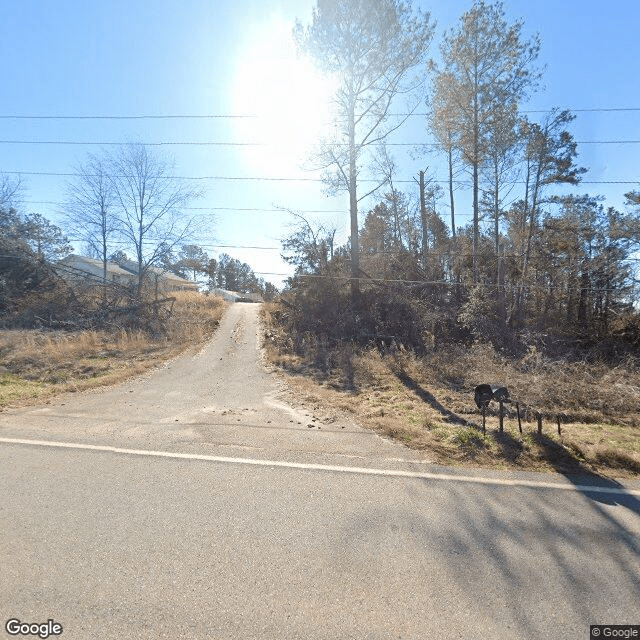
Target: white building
{"points": [[76, 267]]}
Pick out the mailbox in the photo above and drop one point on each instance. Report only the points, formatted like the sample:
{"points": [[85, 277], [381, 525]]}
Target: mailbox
{"points": [[501, 394], [483, 395]]}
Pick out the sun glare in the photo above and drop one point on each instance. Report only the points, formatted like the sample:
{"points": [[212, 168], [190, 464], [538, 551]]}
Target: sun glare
{"points": [[291, 100]]}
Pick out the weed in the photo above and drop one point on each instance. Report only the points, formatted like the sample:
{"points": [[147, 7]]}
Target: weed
{"points": [[421, 401], [43, 363]]}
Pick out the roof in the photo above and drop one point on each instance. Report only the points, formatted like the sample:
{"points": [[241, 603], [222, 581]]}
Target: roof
{"points": [[132, 267], [127, 270], [95, 265]]}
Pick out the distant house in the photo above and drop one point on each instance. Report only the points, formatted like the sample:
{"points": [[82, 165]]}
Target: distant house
{"points": [[235, 296], [76, 267], [165, 280]]}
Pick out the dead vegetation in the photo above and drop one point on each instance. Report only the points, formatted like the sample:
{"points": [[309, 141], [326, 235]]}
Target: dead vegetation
{"points": [[36, 363], [64, 330], [427, 401]]}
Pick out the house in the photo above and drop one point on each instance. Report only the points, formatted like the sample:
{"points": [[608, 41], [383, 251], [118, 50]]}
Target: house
{"points": [[75, 267], [165, 280]]}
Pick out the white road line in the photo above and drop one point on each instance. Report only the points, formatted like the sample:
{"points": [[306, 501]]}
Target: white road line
{"points": [[394, 473]]}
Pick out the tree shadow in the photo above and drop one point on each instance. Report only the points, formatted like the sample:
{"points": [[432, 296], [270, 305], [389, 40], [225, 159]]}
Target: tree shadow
{"points": [[591, 484], [429, 398], [508, 553]]}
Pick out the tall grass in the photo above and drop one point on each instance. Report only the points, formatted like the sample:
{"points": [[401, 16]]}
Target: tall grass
{"points": [[58, 356]]}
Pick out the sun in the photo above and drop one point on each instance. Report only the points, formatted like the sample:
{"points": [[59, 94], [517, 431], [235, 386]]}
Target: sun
{"points": [[292, 102]]}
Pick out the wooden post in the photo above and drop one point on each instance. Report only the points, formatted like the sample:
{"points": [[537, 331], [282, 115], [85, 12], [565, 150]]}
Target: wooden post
{"points": [[539, 423], [519, 421], [559, 428], [501, 417]]}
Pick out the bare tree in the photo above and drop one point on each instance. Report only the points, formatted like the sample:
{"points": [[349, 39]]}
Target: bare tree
{"points": [[89, 207], [310, 248], [384, 168], [150, 201], [503, 155], [550, 154], [11, 190], [443, 125], [369, 46]]}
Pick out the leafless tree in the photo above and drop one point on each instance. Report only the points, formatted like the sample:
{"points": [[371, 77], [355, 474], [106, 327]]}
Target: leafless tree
{"points": [[150, 201], [488, 68], [89, 207], [11, 190]]}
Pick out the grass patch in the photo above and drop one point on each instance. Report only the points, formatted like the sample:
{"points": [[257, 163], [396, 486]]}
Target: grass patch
{"points": [[427, 403], [35, 364]]}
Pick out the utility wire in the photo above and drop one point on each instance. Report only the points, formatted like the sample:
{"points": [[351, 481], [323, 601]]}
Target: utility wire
{"points": [[430, 282], [269, 179], [197, 143], [260, 209], [132, 117], [253, 115], [439, 254]]}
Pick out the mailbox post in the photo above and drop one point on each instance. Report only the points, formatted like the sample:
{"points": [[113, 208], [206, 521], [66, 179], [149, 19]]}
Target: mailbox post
{"points": [[484, 394]]}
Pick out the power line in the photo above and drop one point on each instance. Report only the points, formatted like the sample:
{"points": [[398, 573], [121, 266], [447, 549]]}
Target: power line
{"points": [[131, 117], [253, 115], [147, 144], [201, 245], [272, 179], [260, 209], [440, 254], [430, 282], [214, 143]]}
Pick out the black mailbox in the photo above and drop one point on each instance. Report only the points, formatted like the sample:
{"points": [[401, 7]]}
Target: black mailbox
{"points": [[483, 395], [501, 394]]}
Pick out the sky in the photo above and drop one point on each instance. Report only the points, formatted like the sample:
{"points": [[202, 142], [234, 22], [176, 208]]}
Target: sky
{"points": [[76, 71]]}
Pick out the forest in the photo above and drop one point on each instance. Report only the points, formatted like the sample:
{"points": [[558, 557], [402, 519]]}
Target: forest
{"points": [[541, 264]]}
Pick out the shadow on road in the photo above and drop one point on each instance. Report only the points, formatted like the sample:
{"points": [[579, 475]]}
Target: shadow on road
{"points": [[581, 476]]}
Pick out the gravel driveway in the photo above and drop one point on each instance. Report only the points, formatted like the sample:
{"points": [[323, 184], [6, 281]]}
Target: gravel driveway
{"points": [[223, 399]]}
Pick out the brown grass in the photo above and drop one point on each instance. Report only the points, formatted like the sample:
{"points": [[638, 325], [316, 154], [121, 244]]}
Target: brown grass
{"points": [[37, 363], [428, 403]]}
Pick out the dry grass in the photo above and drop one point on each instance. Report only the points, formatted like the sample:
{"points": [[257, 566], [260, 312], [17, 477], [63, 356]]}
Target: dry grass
{"points": [[428, 404], [36, 363]]}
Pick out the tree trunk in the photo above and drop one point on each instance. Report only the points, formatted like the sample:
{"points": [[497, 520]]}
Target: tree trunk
{"points": [[353, 205], [476, 221], [104, 269], [425, 222], [453, 214]]}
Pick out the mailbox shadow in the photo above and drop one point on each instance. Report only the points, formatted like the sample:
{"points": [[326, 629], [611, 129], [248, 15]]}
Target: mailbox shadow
{"points": [[429, 398]]}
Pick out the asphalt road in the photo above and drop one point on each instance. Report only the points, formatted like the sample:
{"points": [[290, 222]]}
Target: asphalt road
{"points": [[195, 503]]}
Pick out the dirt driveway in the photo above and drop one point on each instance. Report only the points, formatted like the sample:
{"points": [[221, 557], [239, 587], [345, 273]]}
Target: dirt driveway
{"points": [[222, 399]]}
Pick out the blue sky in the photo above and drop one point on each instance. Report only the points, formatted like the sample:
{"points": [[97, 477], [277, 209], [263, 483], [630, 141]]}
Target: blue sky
{"points": [[197, 57]]}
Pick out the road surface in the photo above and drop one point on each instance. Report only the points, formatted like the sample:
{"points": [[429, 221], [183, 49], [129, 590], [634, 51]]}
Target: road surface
{"points": [[196, 502]]}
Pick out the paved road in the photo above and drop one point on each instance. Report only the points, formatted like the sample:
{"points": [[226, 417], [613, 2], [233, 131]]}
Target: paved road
{"points": [[187, 504]]}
